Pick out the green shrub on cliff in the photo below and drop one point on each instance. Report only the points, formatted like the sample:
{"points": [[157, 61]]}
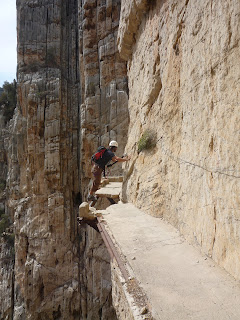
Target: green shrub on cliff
{"points": [[147, 141], [8, 99]]}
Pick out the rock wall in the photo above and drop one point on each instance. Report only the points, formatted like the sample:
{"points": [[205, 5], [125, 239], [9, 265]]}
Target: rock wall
{"points": [[104, 109], [95, 277], [6, 237], [75, 93], [6, 279], [47, 143], [72, 97], [3, 162], [183, 72]]}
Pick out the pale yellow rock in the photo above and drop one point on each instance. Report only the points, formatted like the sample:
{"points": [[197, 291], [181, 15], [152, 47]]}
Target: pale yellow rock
{"points": [[183, 71], [59, 71], [85, 212]]}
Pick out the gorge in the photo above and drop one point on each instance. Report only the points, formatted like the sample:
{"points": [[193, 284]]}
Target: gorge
{"points": [[90, 71]]}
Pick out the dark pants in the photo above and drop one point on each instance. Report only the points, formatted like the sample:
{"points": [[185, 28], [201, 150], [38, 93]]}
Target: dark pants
{"points": [[97, 176]]}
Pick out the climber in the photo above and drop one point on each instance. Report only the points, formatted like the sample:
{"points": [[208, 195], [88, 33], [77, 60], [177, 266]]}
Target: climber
{"points": [[99, 161]]}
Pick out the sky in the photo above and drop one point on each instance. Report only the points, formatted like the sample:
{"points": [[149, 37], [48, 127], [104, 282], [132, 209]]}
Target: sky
{"points": [[8, 41]]}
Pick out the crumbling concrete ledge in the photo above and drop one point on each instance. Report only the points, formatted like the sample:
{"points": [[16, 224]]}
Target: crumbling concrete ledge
{"points": [[178, 281]]}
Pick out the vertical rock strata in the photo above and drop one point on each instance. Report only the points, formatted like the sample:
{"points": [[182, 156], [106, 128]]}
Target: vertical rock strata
{"points": [[6, 280], [46, 268], [183, 78], [72, 97], [95, 277], [6, 239], [104, 109], [184, 81]]}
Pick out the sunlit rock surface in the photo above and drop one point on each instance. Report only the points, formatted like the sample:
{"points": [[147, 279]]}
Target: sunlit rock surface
{"points": [[183, 72], [60, 78]]}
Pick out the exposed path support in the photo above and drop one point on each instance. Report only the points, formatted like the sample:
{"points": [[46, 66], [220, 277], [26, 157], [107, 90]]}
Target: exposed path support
{"points": [[112, 249]]}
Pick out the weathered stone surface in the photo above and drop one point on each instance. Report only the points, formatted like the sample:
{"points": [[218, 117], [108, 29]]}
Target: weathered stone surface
{"points": [[128, 298], [130, 19], [85, 212], [179, 282], [46, 194], [6, 280], [6, 237], [95, 277], [104, 109], [111, 190], [183, 79], [184, 84], [72, 87]]}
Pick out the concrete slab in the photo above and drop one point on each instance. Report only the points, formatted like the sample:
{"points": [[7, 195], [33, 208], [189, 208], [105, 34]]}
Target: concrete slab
{"points": [[110, 190], [115, 178], [179, 282]]}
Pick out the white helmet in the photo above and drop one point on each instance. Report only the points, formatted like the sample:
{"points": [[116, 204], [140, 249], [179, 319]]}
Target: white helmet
{"points": [[113, 143]]}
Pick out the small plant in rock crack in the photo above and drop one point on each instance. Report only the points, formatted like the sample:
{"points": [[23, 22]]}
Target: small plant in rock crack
{"points": [[147, 140]]}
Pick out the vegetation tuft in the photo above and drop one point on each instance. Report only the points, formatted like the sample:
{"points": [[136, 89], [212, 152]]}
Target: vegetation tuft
{"points": [[8, 99], [147, 141]]}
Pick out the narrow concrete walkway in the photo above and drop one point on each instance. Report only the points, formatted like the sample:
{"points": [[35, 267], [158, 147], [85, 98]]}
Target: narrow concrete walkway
{"points": [[179, 282], [111, 188]]}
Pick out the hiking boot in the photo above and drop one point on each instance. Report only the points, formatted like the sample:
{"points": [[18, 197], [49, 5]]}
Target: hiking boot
{"points": [[91, 197]]}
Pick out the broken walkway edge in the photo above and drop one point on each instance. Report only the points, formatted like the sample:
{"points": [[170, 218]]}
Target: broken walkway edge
{"points": [[179, 281], [130, 301], [111, 248], [138, 307]]}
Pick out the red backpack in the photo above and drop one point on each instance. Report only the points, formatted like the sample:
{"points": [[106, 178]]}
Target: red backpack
{"points": [[99, 154]]}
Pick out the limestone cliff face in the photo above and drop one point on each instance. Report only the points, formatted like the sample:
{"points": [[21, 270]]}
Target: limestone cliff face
{"points": [[183, 72], [44, 201], [183, 80], [104, 109], [6, 279], [72, 97], [3, 162], [95, 277], [6, 236]]}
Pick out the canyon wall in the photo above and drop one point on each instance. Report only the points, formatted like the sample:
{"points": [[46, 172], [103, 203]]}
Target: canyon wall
{"points": [[47, 142], [6, 230], [72, 96], [104, 108], [95, 277], [184, 81], [176, 76]]}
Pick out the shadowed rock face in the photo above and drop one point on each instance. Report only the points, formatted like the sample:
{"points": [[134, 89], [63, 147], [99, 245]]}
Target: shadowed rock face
{"points": [[183, 59], [72, 96], [6, 236]]}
